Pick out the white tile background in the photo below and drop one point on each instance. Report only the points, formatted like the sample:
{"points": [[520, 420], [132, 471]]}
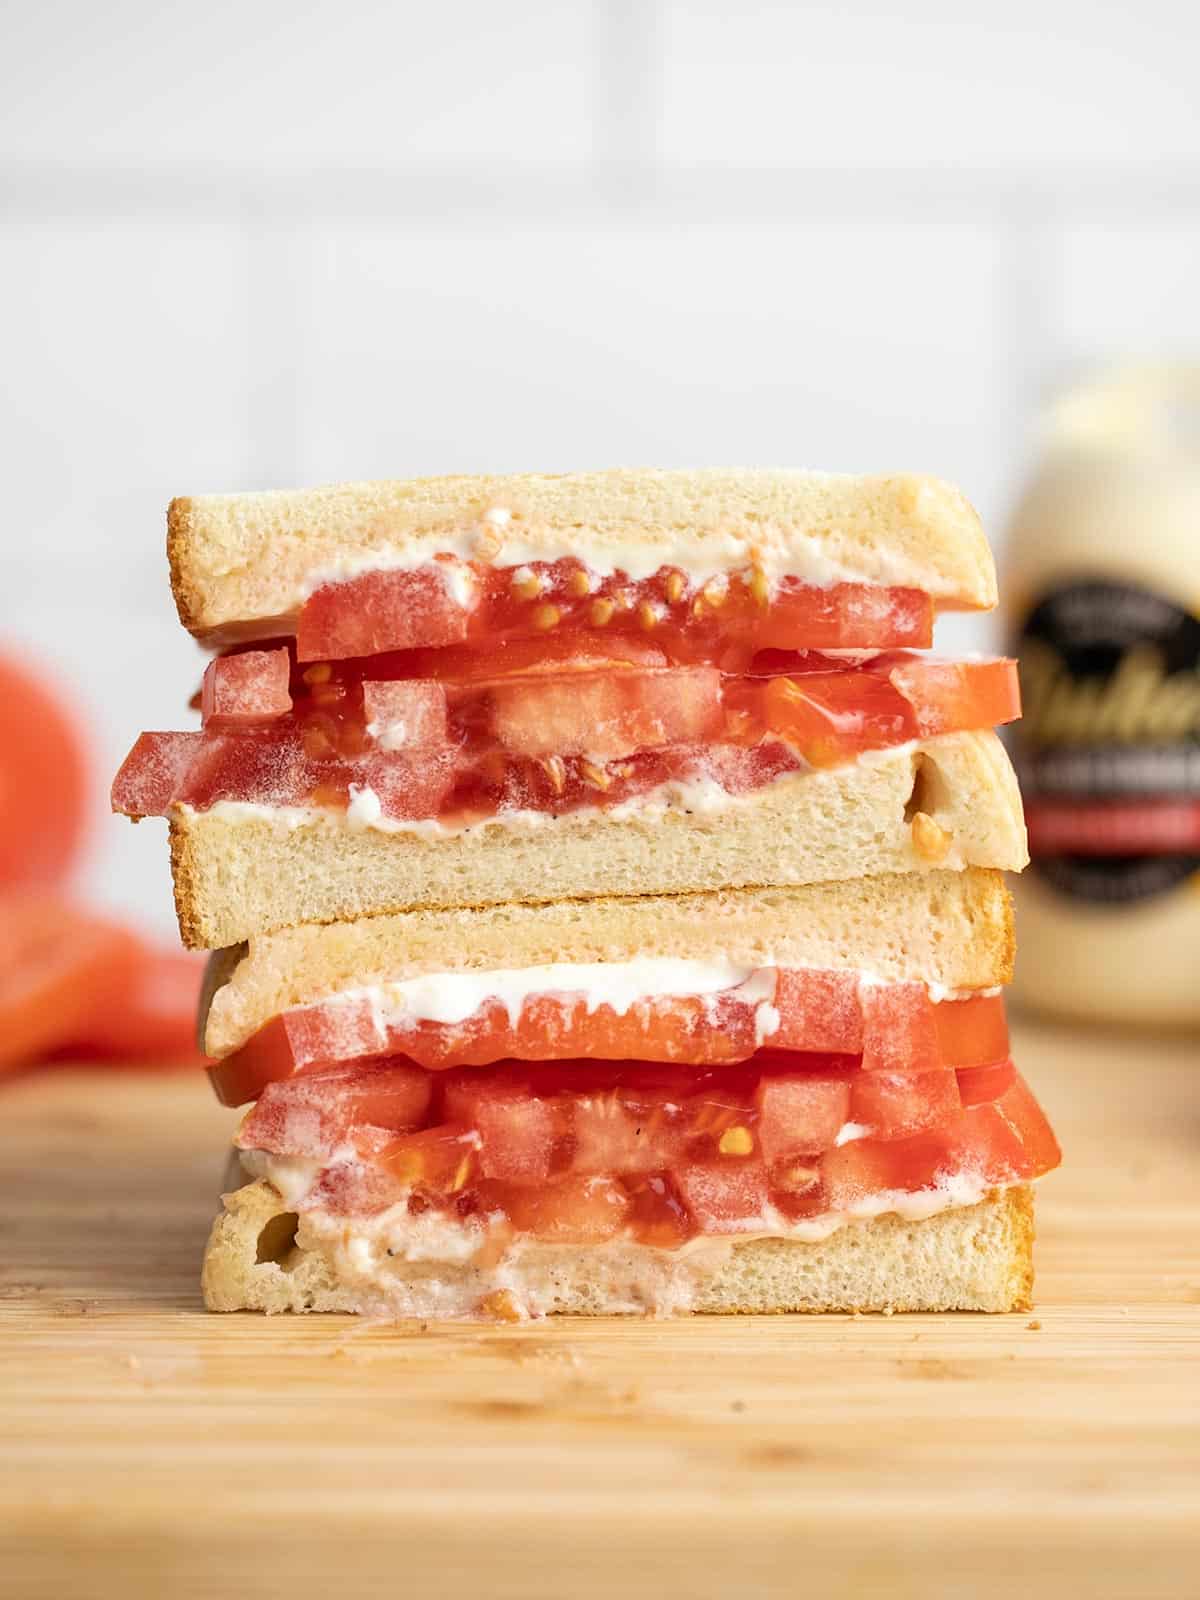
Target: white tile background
{"points": [[254, 244]]}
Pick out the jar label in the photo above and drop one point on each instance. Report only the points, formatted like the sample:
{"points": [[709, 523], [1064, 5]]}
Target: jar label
{"points": [[1108, 746]]}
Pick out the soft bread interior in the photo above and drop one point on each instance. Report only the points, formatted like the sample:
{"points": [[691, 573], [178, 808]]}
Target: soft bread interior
{"points": [[261, 1257], [953, 929], [245, 557], [944, 803]]}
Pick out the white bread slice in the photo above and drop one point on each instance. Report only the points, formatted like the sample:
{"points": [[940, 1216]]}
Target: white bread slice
{"points": [[239, 872], [261, 1257], [953, 929], [239, 559]]}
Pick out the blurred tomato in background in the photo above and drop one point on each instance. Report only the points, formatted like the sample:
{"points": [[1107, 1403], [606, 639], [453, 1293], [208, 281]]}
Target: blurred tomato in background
{"points": [[74, 985]]}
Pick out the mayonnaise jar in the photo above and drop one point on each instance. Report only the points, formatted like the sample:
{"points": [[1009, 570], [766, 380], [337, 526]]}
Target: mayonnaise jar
{"points": [[1103, 595]]}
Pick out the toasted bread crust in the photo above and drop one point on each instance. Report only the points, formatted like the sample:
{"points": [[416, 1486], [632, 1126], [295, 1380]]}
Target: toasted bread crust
{"points": [[974, 1258], [181, 540], [951, 929], [237, 875], [244, 559]]}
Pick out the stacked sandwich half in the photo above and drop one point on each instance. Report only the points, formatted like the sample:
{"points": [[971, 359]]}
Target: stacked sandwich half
{"points": [[606, 896]]}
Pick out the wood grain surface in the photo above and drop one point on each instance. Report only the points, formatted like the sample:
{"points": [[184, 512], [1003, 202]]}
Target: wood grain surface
{"points": [[148, 1449]]}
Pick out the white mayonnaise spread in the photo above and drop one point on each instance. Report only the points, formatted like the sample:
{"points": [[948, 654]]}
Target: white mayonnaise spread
{"points": [[430, 1265], [365, 809], [798, 555], [850, 1131], [452, 997], [698, 796], [701, 795]]}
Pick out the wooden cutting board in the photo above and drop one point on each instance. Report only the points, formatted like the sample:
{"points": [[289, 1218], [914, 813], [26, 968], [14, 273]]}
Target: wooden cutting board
{"points": [[147, 1448]]}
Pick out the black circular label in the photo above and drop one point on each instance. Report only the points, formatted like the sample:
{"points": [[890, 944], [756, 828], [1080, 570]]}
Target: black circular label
{"points": [[1108, 746]]}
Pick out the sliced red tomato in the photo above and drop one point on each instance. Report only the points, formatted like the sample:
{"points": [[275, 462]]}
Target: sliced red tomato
{"points": [[657, 1214], [442, 1160], [297, 766], [1000, 1142], [545, 740], [1020, 1141], [606, 715], [801, 1114], [313, 1114], [154, 773], [895, 1105], [519, 1131], [152, 1017], [508, 658], [448, 602], [394, 610], [661, 1151], [846, 616], [309, 1036], [979, 1085], [571, 1210], [620, 1132], [593, 1117], [972, 1031], [407, 713], [833, 717], [819, 1012], [43, 780], [949, 695], [899, 1028], [723, 1196], [59, 967], [246, 689]]}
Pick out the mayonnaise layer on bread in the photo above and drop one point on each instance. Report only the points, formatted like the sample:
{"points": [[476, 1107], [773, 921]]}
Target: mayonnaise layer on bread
{"points": [[801, 556], [428, 1265], [695, 796], [452, 997], [700, 795]]}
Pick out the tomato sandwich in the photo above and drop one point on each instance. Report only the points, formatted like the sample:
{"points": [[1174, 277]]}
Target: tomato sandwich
{"points": [[473, 691], [604, 885]]}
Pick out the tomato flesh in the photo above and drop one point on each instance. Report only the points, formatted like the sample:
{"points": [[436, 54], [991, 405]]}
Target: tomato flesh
{"points": [[899, 1028], [518, 1130], [451, 602], [832, 717], [151, 1018], [548, 740], [678, 1028], [58, 967], [245, 689], [291, 767], [996, 1142], [896, 1105], [405, 713], [723, 1196], [44, 789], [938, 691], [440, 1160], [979, 1085], [606, 715], [801, 1114], [659, 1154], [378, 611], [972, 1031], [572, 1211], [313, 1114]]}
